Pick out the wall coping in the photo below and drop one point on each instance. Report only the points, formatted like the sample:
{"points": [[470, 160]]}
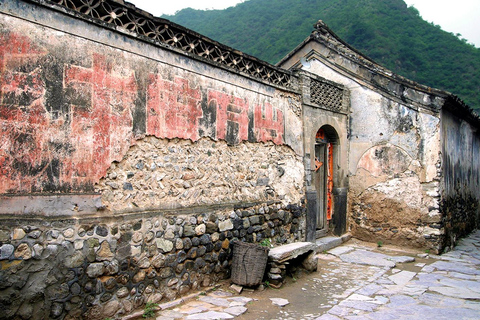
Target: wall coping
{"points": [[124, 17]]}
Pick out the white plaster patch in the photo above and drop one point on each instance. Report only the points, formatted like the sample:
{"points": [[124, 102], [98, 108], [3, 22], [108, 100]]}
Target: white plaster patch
{"points": [[408, 189], [430, 131], [431, 231]]}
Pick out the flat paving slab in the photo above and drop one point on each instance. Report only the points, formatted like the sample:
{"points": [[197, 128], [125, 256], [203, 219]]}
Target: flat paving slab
{"points": [[368, 258]]}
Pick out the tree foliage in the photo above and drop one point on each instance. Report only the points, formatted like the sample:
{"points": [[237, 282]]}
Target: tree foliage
{"points": [[387, 31]]}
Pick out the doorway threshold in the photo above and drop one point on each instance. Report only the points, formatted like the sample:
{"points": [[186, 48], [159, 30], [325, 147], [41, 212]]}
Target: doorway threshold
{"points": [[329, 242], [320, 233]]}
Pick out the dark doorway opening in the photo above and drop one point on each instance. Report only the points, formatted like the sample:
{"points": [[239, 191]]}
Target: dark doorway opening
{"points": [[326, 150]]}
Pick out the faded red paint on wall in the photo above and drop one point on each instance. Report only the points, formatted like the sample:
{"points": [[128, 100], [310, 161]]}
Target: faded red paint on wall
{"points": [[269, 124], [102, 128], [22, 114], [62, 130], [173, 108], [232, 116]]}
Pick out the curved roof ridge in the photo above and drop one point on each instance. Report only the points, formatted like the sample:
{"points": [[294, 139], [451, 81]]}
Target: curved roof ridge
{"points": [[324, 34]]}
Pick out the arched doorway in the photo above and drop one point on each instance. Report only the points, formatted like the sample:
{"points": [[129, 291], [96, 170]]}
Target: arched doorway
{"points": [[325, 176]]}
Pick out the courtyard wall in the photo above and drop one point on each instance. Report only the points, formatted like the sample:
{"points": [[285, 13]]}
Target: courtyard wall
{"points": [[129, 166]]}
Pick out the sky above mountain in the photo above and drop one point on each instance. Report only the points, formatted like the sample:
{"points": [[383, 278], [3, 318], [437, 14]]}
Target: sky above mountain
{"points": [[459, 16]]}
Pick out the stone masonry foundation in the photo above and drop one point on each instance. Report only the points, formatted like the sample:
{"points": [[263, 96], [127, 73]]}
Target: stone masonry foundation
{"points": [[94, 268]]}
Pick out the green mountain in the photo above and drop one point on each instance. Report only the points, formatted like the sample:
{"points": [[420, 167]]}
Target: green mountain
{"points": [[387, 31]]}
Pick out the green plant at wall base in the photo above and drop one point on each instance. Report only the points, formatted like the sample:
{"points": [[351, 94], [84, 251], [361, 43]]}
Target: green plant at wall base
{"points": [[427, 251], [149, 311], [266, 243], [379, 244]]}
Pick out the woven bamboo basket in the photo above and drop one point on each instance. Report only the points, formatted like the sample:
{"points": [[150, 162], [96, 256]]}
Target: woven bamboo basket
{"points": [[248, 263]]}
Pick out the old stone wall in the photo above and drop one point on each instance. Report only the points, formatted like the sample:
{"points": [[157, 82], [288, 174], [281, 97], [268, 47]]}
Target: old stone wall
{"points": [[95, 268], [394, 192], [134, 152], [461, 178], [162, 173], [128, 168]]}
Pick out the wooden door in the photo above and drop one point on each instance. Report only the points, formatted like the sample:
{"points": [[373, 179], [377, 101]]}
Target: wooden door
{"points": [[323, 179]]}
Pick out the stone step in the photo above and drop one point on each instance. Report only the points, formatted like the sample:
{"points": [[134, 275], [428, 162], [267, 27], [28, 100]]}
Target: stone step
{"points": [[327, 243]]}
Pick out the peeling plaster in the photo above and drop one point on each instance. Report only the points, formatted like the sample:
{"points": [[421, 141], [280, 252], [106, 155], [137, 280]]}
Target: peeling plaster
{"points": [[172, 173]]}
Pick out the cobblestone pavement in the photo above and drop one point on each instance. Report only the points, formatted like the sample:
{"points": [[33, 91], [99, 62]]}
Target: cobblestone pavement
{"points": [[359, 281]]}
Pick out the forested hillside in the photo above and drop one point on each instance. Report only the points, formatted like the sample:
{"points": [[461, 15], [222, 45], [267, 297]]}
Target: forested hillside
{"points": [[385, 30]]}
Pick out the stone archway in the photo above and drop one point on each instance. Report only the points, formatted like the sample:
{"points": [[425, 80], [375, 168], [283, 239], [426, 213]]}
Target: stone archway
{"points": [[327, 191]]}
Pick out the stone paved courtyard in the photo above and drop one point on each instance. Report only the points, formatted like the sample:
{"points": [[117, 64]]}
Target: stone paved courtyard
{"points": [[358, 281]]}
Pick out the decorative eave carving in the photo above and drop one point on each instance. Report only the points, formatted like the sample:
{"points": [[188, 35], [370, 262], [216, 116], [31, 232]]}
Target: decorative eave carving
{"points": [[322, 93], [126, 18]]}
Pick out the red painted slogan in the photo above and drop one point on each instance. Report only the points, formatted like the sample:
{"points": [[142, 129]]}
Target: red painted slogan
{"points": [[41, 152], [22, 114], [232, 116], [269, 124], [102, 127], [173, 108]]}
